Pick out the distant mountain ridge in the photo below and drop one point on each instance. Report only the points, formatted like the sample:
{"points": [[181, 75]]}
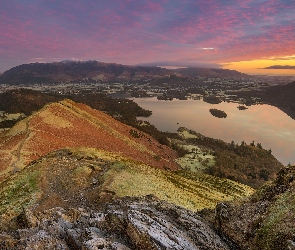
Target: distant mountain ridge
{"points": [[99, 71], [210, 72], [78, 71]]}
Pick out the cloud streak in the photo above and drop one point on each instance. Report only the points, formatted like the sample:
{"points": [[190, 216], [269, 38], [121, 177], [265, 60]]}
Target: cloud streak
{"points": [[280, 67], [134, 32]]}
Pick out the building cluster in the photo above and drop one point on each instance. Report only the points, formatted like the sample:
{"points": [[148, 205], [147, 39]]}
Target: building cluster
{"points": [[224, 88]]}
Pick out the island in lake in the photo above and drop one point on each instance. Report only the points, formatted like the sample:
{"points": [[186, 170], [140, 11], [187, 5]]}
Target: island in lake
{"points": [[241, 107], [218, 113]]}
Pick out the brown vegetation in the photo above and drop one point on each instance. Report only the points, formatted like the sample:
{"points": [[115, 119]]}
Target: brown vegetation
{"points": [[70, 124]]}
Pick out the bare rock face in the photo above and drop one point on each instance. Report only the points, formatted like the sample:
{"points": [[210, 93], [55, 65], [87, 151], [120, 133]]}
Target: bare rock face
{"points": [[128, 223], [161, 225], [266, 220]]}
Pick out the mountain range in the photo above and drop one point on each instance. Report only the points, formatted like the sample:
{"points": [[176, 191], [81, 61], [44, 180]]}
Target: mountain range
{"points": [[78, 71], [73, 71]]}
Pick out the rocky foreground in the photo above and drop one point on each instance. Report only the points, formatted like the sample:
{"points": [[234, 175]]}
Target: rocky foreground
{"points": [[263, 221], [266, 220], [128, 223]]}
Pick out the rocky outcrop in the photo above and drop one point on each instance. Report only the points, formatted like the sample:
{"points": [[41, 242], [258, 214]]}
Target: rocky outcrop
{"points": [[129, 223], [266, 220]]}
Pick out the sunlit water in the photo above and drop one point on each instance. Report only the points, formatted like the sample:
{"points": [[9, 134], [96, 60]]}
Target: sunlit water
{"points": [[262, 123]]}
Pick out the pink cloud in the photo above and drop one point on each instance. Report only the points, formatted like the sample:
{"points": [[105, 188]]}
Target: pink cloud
{"points": [[133, 32]]}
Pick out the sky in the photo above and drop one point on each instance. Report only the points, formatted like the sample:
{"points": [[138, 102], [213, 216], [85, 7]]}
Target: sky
{"points": [[251, 36]]}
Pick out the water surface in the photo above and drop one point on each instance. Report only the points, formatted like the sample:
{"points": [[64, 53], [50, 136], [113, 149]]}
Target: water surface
{"points": [[265, 124]]}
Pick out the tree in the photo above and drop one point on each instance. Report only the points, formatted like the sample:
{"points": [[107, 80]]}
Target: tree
{"points": [[259, 145]]}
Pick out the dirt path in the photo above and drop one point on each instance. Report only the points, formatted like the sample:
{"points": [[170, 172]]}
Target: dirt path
{"points": [[20, 147]]}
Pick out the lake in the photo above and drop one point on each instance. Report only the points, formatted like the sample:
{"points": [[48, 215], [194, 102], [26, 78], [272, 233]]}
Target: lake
{"points": [[265, 124]]}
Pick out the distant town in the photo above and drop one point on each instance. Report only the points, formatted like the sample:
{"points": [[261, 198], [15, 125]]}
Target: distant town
{"points": [[224, 88]]}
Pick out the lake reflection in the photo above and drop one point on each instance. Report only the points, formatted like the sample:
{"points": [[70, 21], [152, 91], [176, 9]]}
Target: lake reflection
{"points": [[262, 123]]}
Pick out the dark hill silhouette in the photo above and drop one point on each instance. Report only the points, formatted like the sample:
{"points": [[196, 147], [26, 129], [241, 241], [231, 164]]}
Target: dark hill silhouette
{"points": [[78, 71], [25, 100], [206, 72], [281, 95], [93, 71]]}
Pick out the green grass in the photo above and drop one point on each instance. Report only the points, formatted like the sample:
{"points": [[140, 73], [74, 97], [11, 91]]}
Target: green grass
{"points": [[196, 159], [119, 175], [278, 227], [18, 192], [194, 191]]}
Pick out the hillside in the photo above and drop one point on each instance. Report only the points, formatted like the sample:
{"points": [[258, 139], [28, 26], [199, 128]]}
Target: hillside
{"points": [[89, 177], [27, 101], [89, 197], [89, 186], [69, 124], [79, 71], [281, 96], [248, 164], [266, 220], [212, 73]]}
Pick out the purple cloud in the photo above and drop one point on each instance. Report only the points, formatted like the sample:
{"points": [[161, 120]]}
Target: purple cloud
{"points": [[145, 31]]}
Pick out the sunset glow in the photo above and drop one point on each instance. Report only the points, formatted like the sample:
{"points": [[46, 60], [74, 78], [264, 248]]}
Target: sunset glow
{"points": [[244, 35], [271, 66]]}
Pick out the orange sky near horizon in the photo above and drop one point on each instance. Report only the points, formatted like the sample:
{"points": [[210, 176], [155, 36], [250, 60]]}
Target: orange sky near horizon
{"points": [[257, 67]]}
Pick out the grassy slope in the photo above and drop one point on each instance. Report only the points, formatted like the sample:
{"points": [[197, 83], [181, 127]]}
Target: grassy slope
{"points": [[194, 191], [248, 164], [67, 174]]}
